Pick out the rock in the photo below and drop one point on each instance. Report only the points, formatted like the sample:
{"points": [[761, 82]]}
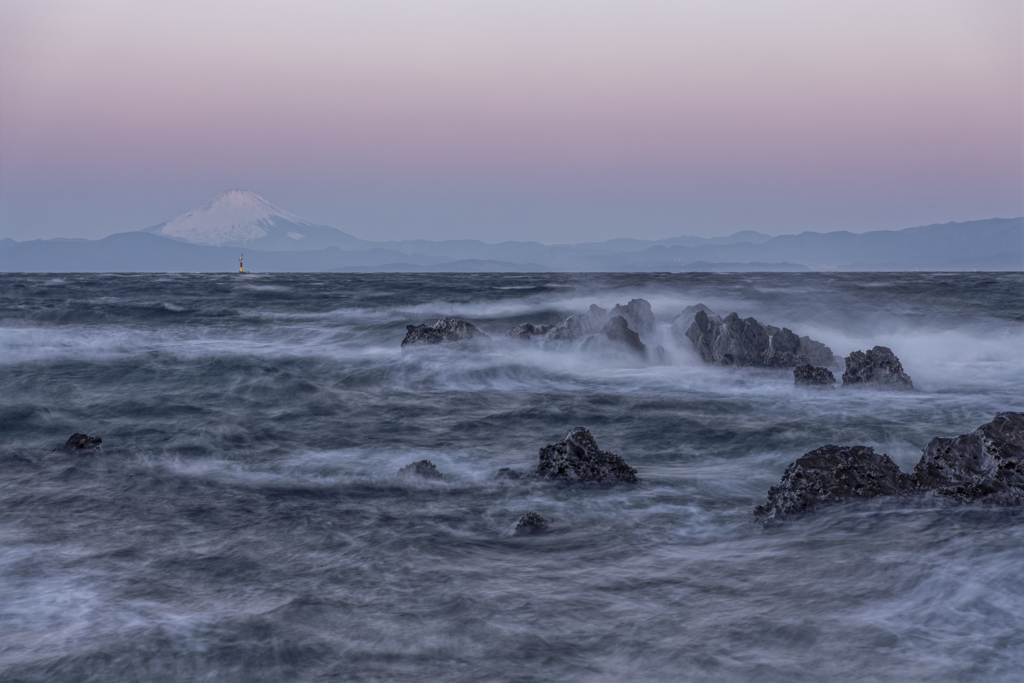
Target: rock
{"points": [[638, 315], [424, 469], [745, 341], [576, 458], [987, 464], [879, 367], [808, 375], [581, 324], [507, 473], [833, 474], [531, 523], [682, 322], [616, 332], [659, 356], [81, 443], [444, 330], [526, 331]]}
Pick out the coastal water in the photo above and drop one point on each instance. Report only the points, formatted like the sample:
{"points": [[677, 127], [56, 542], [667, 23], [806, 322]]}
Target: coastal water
{"points": [[244, 521]]}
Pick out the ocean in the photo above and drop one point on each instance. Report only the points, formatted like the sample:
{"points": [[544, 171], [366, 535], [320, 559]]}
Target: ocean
{"points": [[244, 520]]}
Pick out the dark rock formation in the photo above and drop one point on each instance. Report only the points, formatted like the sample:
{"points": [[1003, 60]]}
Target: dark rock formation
{"points": [[424, 469], [576, 458], [616, 334], [444, 330], [987, 464], [681, 323], [745, 341], [638, 315], [833, 474], [507, 473], [878, 367], [81, 443], [526, 331], [809, 376], [581, 324], [531, 523]]}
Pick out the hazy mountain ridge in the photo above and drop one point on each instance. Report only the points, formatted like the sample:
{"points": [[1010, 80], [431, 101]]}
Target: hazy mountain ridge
{"points": [[210, 237]]}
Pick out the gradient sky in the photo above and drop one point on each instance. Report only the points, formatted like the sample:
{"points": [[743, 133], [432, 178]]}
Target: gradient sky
{"points": [[548, 120]]}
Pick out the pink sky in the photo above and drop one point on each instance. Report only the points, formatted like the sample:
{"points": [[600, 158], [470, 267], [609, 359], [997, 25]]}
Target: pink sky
{"points": [[554, 121]]}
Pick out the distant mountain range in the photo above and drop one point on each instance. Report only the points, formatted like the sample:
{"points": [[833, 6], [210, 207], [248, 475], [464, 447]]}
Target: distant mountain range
{"points": [[210, 237]]}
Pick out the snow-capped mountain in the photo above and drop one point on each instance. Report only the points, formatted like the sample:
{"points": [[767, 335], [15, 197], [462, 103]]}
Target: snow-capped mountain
{"points": [[242, 218]]}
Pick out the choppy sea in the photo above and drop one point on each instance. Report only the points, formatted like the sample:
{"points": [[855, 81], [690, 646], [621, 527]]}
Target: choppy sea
{"points": [[244, 521]]}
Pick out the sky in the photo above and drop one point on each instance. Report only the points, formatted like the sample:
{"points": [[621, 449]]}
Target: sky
{"points": [[547, 120]]}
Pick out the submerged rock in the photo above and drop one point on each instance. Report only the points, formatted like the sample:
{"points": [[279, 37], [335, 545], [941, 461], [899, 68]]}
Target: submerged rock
{"points": [[987, 464], [81, 443], [833, 474], [531, 523], [507, 473], [444, 330], [638, 315], [526, 331], [577, 458], [744, 341], [424, 469], [878, 366], [809, 376]]}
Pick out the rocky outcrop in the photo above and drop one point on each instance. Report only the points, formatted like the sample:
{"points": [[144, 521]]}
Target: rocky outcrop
{"points": [[581, 325], [616, 335], [833, 474], [744, 341], [526, 331], [682, 322], [878, 367], [423, 469], [81, 443], [577, 458], [809, 376], [507, 473], [638, 315], [444, 330], [987, 464], [531, 523]]}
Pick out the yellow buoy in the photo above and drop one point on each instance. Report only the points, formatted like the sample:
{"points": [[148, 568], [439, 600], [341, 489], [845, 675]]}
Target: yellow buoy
{"points": [[240, 268]]}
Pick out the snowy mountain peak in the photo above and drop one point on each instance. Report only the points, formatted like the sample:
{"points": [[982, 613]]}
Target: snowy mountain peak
{"points": [[233, 216]]}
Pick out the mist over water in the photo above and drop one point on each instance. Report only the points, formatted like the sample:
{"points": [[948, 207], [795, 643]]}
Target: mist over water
{"points": [[244, 521]]}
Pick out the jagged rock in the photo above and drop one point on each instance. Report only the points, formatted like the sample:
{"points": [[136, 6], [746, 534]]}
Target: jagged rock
{"points": [[833, 474], [531, 523], [507, 473], [576, 458], [809, 376], [526, 331], [81, 443], [745, 341], [424, 469], [444, 330], [987, 464], [638, 315], [581, 324], [682, 322], [879, 367], [616, 332]]}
